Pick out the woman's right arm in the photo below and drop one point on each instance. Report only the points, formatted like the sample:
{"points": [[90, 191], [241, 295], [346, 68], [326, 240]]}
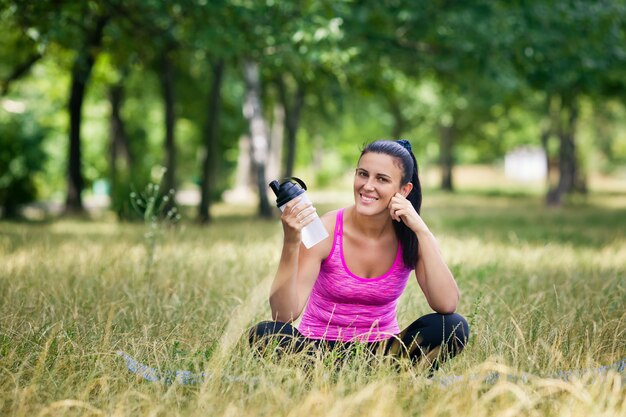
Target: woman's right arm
{"points": [[298, 267]]}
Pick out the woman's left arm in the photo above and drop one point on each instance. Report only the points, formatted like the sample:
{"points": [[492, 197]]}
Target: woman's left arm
{"points": [[431, 271], [434, 276]]}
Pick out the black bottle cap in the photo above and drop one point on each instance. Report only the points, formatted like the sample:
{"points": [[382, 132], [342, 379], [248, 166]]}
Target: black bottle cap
{"points": [[287, 190]]}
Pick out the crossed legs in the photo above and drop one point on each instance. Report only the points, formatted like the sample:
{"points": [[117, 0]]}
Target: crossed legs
{"points": [[435, 337]]}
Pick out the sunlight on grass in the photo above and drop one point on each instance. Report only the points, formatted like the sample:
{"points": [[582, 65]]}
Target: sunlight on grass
{"points": [[544, 291]]}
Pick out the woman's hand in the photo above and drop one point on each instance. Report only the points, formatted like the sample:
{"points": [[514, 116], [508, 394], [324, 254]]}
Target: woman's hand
{"points": [[401, 209], [295, 217]]}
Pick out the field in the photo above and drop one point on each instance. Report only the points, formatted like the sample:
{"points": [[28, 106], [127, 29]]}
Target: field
{"points": [[544, 291]]}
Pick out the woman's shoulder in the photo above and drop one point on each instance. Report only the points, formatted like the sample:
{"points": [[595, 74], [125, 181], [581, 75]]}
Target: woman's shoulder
{"points": [[324, 248], [329, 219], [330, 214]]}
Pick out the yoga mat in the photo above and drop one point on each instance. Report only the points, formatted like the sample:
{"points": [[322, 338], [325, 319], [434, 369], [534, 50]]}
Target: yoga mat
{"points": [[189, 378]]}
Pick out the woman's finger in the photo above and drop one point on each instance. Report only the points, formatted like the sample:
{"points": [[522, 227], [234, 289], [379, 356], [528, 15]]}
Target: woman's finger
{"points": [[302, 212], [306, 215], [395, 207], [295, 209], [393, 212], [307, 210], [307, 220], [299, 217], [290, 205]]}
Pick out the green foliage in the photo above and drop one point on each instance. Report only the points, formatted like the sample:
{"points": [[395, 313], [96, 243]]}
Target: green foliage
{"points": [[608, 135], [569, 48], [126, 183], [157, 211], [16, 45], [368, 70], [21, 158]]}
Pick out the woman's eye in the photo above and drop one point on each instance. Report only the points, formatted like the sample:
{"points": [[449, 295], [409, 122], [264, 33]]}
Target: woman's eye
{"points": [[383, 180]]}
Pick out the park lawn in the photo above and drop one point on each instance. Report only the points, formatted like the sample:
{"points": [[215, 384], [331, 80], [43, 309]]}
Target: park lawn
{"points": [[544, 291]]}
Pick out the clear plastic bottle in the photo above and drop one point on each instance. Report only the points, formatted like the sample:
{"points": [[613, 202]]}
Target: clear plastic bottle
{"points": [[287, 190]]}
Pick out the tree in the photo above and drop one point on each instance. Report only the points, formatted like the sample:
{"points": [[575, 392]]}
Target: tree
{"points": [[19, 50], [568, 50], [253, 111], [147, 33], [211, 132], [81, 71], [450, 46], [167, 79], [21, 158], [292, 104], [211, 31], [78, 27]]}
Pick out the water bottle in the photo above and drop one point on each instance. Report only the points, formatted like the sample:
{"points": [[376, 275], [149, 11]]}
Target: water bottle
{"points": [[287, 190]]}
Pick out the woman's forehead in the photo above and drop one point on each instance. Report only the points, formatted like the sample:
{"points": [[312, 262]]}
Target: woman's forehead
{"points": [[380, 163]]}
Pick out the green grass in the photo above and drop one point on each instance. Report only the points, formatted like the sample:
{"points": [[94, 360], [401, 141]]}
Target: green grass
{"points": [[544, 290]]}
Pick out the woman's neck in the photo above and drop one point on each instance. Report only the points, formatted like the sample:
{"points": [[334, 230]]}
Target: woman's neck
{"points": [[374, 226]]}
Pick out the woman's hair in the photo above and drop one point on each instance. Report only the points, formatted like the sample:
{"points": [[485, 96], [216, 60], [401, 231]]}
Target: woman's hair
{"points": [[401, 151]]}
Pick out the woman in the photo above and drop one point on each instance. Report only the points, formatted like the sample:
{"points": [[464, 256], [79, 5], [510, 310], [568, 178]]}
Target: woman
{"points": [[348, 286]]}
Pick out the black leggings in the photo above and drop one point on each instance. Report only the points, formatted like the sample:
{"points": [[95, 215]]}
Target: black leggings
{"points": [[437, 337]]}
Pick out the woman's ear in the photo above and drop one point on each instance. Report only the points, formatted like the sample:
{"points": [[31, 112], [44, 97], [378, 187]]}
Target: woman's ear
{"points": [[405, 190]]}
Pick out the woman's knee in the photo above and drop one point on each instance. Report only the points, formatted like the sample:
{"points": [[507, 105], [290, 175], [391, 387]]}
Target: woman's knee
{"points": [[260, 330], [457, 330], [269, 328]]}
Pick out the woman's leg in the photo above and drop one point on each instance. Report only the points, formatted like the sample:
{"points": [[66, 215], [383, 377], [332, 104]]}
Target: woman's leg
{"points": [[282, 335], [437, 337]]}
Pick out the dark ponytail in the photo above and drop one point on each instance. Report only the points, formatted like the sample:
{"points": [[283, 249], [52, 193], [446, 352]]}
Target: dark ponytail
{"points": [[402, 152]]}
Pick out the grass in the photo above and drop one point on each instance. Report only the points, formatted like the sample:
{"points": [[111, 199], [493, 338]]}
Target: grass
{"points": [[544, 290]]}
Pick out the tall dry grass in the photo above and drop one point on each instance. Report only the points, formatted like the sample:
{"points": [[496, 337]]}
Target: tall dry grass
{"points": [[544, 291]]}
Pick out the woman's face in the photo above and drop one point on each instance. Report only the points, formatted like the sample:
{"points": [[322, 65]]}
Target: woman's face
{"points": [[376, 180]]}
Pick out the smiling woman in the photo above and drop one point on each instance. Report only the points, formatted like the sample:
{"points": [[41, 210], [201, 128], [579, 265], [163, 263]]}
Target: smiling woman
{"points": [[347, 288]]}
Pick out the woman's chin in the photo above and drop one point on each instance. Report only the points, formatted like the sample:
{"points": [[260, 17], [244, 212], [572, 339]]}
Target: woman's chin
{"points": [[368, 209]]}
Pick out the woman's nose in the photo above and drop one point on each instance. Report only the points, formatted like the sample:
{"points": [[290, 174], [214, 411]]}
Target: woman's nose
{"points": [[368, 185]]}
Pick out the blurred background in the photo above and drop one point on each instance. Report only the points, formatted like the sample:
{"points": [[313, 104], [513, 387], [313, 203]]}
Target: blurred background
{"points": [[96, 97]]}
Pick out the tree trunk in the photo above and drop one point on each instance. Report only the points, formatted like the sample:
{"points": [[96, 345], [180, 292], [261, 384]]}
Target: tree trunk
{"points": [[277, 132], [446, 160], [243, 173], [580, 179], [167, 87], [119, 142], [81, 72], [547, 130], [399, 123], [253, 112], [545, 138], [211, 132], [293, 110], [567, 153]]}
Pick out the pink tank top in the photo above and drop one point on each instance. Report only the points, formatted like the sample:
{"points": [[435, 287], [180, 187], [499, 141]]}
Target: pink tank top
{"points": [[345, 307]]}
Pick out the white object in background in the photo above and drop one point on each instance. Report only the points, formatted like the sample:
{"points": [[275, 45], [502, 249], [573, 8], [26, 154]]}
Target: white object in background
{"points": [[526, 164]]}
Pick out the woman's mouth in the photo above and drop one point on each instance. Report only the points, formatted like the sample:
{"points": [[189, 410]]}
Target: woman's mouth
{"points": [[368, 199]]}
